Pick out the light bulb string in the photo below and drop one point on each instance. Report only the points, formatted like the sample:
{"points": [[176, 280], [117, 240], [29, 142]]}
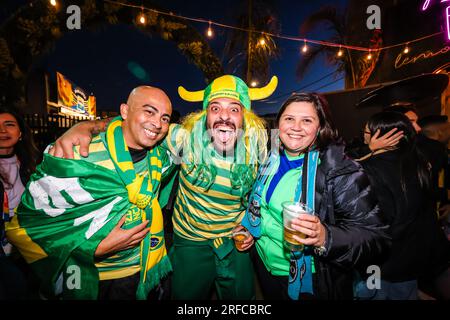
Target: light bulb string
{"points": [[292, 38]]}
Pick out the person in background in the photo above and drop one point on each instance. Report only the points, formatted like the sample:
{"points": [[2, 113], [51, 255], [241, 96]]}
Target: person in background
{"points": [[360, 150], [346, 230], [400, 178], [18, 159], [433, 151], [437, 129]]}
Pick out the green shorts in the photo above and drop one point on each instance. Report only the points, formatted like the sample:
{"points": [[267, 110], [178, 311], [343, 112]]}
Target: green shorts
{"points": [[196, 268]]}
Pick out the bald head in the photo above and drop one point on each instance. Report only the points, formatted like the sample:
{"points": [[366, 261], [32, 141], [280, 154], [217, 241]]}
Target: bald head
{"points": [[146, 117], [141, 92]]}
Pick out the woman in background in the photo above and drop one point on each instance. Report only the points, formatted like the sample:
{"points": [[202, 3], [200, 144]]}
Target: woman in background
{"points": [[400, 177], [18, 159]]}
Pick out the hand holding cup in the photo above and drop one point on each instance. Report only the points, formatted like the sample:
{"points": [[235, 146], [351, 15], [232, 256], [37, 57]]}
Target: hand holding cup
{"points": [[310, 226], [242, 238]]}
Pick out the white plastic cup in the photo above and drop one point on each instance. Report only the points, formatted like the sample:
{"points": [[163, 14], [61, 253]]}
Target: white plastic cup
{"points": [[292, 210]]}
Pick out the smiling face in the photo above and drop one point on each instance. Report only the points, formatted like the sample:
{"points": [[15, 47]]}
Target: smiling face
{"points": [[224, 118], [9, 133], [146, 117], [298, 125]]}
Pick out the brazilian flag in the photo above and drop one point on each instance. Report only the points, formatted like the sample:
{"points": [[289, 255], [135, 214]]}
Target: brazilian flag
{"points": [[67, 209]]}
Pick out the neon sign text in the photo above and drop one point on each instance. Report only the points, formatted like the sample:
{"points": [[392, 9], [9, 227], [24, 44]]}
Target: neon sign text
{"points": [[425, 6], [403, 60]]}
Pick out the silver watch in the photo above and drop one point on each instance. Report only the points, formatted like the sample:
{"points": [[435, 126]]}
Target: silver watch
{"points": [[320, 251]]}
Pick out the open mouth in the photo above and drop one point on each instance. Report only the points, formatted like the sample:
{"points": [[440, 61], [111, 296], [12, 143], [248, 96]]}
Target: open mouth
{"points": [[224, 133], [150, 134]]}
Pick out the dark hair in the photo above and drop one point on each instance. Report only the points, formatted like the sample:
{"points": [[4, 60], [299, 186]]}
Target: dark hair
{"points": [[25, 148], [327, 132], [412, 160]]}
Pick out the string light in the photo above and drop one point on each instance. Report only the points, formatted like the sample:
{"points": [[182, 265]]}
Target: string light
{"points": [[209, 33], [253, 83], [304, 49], [142, 19], [340, 52], [53, 3], [406, 50], [262, 41], [142, 15]]}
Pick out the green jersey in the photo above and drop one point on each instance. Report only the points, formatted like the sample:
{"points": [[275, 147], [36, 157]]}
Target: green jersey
{"points": [[270, 245], [199, 213]]}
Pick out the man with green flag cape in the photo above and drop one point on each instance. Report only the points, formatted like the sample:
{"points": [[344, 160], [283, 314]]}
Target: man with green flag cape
{"points": [[92, 227]]}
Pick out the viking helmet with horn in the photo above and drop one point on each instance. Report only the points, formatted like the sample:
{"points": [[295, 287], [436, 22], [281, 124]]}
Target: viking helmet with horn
{"points": [[229, 86]]}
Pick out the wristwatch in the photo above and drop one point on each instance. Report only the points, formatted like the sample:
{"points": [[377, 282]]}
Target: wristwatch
{"points": [[321, 250]]}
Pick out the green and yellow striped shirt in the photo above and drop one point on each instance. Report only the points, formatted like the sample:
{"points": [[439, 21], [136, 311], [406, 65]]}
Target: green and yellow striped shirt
{"points": [[201, 214]]}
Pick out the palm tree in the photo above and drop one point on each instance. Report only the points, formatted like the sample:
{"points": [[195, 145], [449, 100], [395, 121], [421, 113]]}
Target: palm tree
{"points": [[354, 64], [32, 30], [247, 54], [337, 24]]}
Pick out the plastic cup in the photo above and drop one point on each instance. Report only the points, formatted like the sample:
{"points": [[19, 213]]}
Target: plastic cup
{"points": [[239, 237], [292, 210]]}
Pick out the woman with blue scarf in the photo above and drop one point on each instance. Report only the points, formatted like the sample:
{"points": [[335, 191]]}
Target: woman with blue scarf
{"points": [[346, 230]]}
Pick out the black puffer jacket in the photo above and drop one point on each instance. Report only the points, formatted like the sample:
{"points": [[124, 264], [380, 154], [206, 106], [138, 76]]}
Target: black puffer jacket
{"points": [[419, 247], [357, 235]]}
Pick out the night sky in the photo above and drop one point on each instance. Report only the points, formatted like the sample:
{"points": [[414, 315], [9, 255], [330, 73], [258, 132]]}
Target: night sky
{"points": [[100, 61]]}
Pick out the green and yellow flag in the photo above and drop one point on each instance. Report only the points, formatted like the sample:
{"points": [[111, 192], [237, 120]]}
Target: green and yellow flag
{"points": [[70, 206]]}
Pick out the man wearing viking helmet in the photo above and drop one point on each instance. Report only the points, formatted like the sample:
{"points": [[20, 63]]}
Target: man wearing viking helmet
{"points": [[221, 148]]}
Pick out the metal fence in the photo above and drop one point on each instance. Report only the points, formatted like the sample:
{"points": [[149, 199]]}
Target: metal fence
{"points": [[47, 128]]}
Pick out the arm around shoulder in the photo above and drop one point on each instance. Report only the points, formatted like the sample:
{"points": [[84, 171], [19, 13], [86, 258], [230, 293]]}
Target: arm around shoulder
{"points": [[79, 135]]}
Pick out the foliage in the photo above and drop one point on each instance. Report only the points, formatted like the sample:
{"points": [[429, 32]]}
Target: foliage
{"points": [[354, 64], [34, 28], [245, 56]]}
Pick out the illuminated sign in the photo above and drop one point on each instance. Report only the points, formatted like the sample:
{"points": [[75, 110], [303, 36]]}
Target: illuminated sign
{"points": [[404, 59], [425, 6], [73, 100]]}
